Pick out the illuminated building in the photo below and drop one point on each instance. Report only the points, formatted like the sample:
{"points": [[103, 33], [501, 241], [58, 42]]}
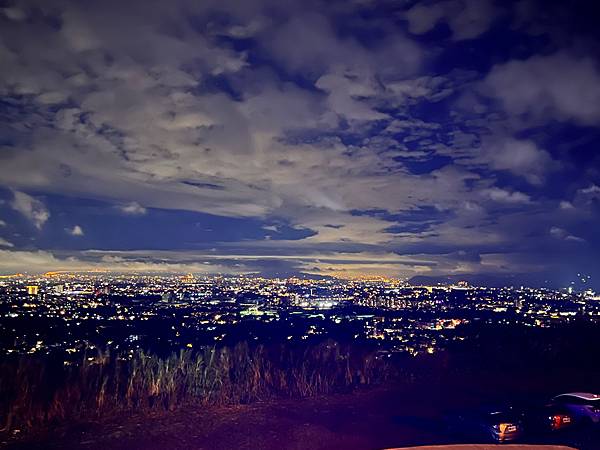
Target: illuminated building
{"points": [[33, 290]]}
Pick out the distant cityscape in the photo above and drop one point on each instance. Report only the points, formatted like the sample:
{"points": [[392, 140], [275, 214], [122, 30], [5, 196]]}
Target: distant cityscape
{"points": [[70, 313]]}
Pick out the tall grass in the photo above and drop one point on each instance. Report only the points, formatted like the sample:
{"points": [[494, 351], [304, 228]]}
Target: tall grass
{"points": [[41, 391]]}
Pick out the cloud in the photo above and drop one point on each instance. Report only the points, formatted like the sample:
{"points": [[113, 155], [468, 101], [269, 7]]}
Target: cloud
{"points": [[30, 207], [14, 13], [566, 205], [501, 195], [587, 197], [44, 261], [5, 243], [346, 95], [357, 134], [560, 233], [353, 75], [323, 50], [142, 130], [184, 262], [2, 223], [334, 263], [467, 19], [521, 157], [133, 208], [561, 86], [75, 231], [592, 190]]}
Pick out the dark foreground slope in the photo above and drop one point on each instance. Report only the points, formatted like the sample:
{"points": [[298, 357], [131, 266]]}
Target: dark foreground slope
{"points": [[410, 409], [397, 414]]}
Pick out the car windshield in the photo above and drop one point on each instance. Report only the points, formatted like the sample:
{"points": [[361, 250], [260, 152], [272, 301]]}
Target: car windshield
{"points": [[502, 417]]}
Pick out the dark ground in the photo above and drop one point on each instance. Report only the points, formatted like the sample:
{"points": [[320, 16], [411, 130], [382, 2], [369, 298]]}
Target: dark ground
{"points": [[398, 414]]}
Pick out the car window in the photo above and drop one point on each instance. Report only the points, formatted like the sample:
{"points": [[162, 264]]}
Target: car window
{"points": [[570, 400]]}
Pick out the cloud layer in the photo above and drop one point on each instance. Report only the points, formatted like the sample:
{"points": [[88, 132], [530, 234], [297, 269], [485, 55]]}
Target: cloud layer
{"points": [[274, 136]]}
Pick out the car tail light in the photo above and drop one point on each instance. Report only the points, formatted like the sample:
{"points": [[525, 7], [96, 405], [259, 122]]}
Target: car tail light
{"points": [[507, 428], [559, 421]]}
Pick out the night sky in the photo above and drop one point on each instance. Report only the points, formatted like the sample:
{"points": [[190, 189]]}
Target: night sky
{"points": [[454, 138]]}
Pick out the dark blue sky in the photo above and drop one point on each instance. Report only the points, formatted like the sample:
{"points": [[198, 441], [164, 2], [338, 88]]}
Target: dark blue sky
{"points": [[437, 138]]}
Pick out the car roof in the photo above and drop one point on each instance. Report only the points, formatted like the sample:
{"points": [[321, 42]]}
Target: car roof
{"points": [[582, 395]]}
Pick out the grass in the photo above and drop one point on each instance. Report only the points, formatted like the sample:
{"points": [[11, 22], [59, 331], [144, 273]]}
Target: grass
{"points": [[37, 391]]}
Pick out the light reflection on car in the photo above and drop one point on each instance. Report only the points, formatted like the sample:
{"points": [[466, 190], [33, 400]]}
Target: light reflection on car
{"points": [[498, 425], [583, 406]]}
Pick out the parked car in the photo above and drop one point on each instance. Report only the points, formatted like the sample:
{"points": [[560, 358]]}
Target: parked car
{"points": [[499, 425], [583, 406], [546, 418]]}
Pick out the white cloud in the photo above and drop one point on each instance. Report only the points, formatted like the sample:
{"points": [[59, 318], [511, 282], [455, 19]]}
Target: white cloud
{"points": [[467, 19], [50, 98], [585, 197], [521, 157], [347, 95], [5, 243], [590, 190], [141, 128], [422, 19], [133, 208], [566, 205], [142, 133], [561, 86], [337, 263], [75, 231], [321, 49], [31, 208], [501, 195], [44, 261], [560, 233], [557, 232], [14, 13]]}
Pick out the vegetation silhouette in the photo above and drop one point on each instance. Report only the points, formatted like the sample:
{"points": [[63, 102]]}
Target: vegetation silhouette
{"points": [[39, 391]]}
